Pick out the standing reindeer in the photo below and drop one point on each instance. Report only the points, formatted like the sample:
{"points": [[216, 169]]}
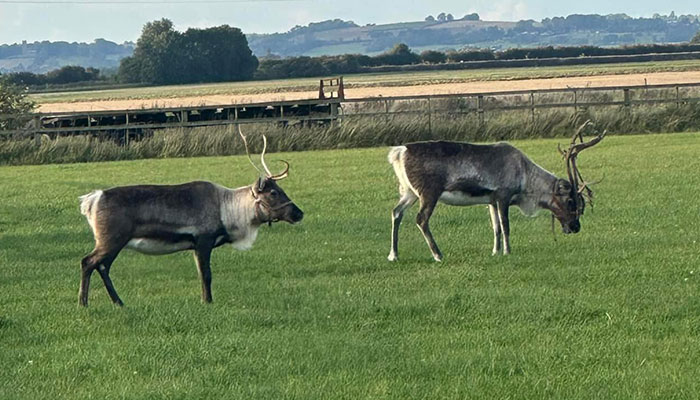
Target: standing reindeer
{"points": [[464, 174], [199, 216]]}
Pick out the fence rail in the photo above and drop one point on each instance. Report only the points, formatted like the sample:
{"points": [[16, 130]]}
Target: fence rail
{"points": [[304, 112]]}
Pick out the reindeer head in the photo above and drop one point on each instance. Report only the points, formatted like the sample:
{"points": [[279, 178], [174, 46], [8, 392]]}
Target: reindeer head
{"points": [[271, 202], [569, 197]]}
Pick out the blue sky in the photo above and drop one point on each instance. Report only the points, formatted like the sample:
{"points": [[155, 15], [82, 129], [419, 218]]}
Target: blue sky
{"points": [[36, 20]]}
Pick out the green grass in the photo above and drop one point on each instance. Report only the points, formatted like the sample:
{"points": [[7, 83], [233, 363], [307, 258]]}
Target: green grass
{"points": [[365, 80], [316, 312]]}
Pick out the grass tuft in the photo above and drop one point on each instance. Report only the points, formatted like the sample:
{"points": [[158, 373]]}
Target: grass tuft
{"points": [[357, 132]]}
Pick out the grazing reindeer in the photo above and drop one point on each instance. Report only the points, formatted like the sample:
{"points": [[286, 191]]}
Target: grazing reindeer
{"points": [[463, 174], [195, 216]]}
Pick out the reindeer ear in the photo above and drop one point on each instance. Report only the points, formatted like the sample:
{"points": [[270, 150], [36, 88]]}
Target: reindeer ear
{"points": [[563, 187]]}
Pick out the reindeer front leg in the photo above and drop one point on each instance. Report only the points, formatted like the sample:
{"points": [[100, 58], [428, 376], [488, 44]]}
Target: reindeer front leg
{"points": [[202, 257], [502, 206], [496, 225]]}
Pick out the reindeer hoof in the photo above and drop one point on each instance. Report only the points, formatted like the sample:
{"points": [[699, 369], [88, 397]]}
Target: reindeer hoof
{"points": [[438, 258], [392, 257]]}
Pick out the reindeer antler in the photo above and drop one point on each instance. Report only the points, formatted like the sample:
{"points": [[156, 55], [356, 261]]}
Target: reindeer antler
{"points": [[579, 185], [279, 176], [247, 151], [269, 174]]}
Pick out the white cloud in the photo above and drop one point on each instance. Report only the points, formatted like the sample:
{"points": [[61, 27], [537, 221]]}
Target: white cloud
{"points": [[509, 10]]}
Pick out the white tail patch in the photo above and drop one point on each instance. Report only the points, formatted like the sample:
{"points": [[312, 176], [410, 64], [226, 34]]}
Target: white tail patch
{"points": [[88, 204], [395, 153], [396, 158]]}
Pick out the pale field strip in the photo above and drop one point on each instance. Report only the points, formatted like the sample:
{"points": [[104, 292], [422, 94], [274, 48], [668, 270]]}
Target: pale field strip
{"points": [[656, 78]]}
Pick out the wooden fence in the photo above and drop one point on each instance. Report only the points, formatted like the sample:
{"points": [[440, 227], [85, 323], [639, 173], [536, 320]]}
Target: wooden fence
{"points": [[339, 108]]}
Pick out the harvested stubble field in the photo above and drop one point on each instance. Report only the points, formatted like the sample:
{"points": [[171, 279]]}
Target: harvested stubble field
{"points": [[316, 312], [373, 85]]}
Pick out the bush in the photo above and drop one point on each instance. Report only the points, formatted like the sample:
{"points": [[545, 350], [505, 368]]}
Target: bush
{"points": [[400, 54], [15, 107], [696, 38], [433, 57]]}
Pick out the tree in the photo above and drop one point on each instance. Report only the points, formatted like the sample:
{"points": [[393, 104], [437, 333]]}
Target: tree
{"points": [[165, 56], [15, 104], [24, 79], [696, 38], [400, 54], [72, 74], [430, 18], [153, 54], [471, 17], [433, 57], [450, 17], [215, 54], [442, 17], [129, 70]]}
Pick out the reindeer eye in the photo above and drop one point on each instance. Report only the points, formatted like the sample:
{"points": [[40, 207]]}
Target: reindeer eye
{"points": [[273, 193]]}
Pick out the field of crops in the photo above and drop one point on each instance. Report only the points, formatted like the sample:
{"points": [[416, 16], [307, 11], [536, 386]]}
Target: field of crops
{"points": [[357, 85], [316, 311]]}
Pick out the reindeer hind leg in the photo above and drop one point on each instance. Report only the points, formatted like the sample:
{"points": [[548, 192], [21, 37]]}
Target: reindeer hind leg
{"points": [[103, 269], [101, 259], [87, 267], [427, 206]]}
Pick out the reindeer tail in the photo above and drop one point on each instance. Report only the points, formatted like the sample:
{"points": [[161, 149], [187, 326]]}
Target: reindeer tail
{"points": [[88, 206], [395, 154]]}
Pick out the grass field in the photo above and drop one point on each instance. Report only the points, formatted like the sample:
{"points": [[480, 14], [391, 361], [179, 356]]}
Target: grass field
{"points": [[316, 312], [366, 80]]}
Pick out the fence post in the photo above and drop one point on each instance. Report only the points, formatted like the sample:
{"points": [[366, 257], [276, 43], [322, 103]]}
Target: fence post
{"points": [[386, 111], [430, 122], [627, 97], [575, 102], [480, 109], [532, 105], [334, 113], [678, 97], [126, 131], [37, 134]]}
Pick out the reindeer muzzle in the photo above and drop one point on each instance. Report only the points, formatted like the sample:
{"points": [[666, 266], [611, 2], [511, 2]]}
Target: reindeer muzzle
{"points": [[571, 227], [295, 215]]}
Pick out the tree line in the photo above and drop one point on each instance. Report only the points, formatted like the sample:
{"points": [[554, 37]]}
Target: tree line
{"points": [[401, 54], [65, 75]]}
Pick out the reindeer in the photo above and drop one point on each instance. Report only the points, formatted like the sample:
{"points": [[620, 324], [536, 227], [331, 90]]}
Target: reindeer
{"points": [[163, 219], [499, 175]]}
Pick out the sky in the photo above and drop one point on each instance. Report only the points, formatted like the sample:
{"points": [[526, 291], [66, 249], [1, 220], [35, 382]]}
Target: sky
{"points": [[122, 20]]}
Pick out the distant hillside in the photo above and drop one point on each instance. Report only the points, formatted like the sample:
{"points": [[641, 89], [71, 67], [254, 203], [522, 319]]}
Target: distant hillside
{"points": [[445, 32], [334, 37], [41, 57]]}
